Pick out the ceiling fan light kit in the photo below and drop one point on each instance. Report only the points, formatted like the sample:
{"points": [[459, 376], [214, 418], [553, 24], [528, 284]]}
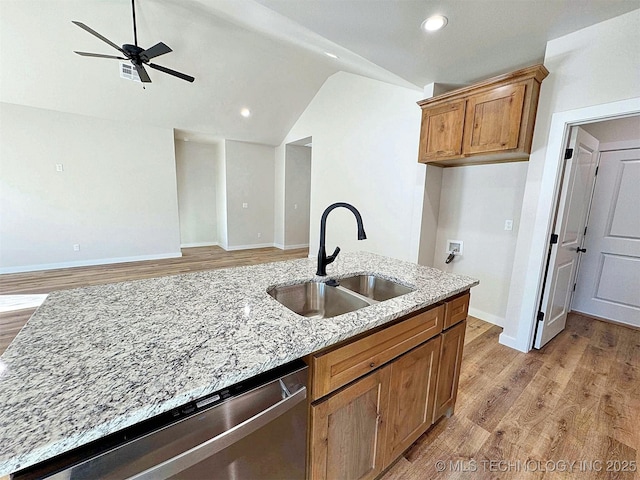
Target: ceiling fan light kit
{"points": [[139, 57]]}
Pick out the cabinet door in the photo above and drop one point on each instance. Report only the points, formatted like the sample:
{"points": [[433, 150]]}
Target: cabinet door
{"points": [[492, 121], [441, 131], [411, 397], [449, 370], [348, 431]]}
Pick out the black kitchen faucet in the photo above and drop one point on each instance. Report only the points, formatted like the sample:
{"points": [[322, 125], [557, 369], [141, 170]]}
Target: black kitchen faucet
{"points": [[323, 260]]}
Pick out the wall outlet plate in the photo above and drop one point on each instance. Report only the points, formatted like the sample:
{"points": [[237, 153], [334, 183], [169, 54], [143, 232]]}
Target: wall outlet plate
{"points": [[455, 247]]}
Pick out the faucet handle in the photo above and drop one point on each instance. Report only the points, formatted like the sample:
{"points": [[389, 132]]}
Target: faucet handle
{"points": [[333, 256]]}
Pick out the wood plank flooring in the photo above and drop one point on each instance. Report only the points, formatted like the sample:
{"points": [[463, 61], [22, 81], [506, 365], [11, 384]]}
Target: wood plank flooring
{"points": [[192, 260], [577, 399]]}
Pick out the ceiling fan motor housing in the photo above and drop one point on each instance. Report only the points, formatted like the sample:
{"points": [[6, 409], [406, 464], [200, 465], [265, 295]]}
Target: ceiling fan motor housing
{"points": [[133, 52]]}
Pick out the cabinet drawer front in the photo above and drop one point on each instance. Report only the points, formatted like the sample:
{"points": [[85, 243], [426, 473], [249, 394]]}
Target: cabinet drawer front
{"points": [[456, 310], [493, 119], [336, 368]]}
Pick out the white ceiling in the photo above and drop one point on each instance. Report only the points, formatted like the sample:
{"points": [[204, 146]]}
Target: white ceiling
{"points": [[483, 37], [267, 55]]}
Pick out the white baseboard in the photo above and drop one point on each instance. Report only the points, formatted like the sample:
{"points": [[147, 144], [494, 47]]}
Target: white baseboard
{"points": [[199, 244], [294, 247], [231, 248], [290, 247], [88, 263], [511, 342], [487, 317]]}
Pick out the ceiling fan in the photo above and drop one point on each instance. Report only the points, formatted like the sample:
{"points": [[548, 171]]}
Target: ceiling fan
{"points": [[138, 56]]}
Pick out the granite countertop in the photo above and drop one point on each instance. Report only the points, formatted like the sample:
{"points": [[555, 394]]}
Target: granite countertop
{"points": [[94, 360]]}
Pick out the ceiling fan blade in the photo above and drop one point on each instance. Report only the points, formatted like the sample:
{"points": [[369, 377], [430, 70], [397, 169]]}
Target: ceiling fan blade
{"points": [[142, 73], [93, 32], [99, 55], [155, 51], [183, 76]]}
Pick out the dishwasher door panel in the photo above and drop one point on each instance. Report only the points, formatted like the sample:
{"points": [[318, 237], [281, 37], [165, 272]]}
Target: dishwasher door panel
{"points": [[258, 434], [275, 451]]}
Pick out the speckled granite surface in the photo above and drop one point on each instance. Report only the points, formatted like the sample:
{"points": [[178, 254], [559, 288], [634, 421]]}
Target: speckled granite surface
{"points": [[94, 360]]}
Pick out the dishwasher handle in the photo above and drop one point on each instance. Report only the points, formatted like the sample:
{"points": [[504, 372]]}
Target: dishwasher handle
{"points": [[205, 450]]}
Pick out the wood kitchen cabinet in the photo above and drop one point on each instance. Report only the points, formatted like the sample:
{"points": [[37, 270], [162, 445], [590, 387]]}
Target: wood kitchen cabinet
{"points": [[373, 396], [489, 122]]}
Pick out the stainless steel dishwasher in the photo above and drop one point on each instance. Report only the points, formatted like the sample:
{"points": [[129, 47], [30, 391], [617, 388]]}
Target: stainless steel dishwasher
{"points": [[253, 430]]}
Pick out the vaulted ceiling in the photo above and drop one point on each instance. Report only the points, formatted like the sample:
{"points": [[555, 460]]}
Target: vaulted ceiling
{"points": [[266, 55]]}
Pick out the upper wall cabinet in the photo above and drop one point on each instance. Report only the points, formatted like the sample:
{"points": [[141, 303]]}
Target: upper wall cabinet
{"points": [[488, 122]]}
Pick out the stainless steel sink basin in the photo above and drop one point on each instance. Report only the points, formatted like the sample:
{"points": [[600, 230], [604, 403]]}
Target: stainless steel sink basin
{"points": [[316, 300], [376, 288]]}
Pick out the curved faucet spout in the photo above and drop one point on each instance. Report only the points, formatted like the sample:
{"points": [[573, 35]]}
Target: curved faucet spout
{"points": [[323, 259]]}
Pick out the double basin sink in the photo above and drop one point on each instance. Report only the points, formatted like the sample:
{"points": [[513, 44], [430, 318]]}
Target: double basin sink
{"points": [[319, 300]]}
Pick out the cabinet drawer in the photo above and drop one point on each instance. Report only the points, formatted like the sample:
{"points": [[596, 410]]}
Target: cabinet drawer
{"points": [[456, 310], [336, 368]]}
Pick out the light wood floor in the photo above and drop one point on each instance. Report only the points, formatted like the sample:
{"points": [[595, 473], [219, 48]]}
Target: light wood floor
{"points": [[192, 260], [577, 399]]}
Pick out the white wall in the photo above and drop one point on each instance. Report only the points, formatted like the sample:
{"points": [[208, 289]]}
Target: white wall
{"points": [[365, 149], [618, 130], [250, 179], [430, 213], [116, 197], [593, 66], [474, 204], [297, 196], [195, 170]]}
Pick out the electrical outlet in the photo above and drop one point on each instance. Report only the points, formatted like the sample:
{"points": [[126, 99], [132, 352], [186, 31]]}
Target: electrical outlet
{"points": [[508, 224], [259, 235], [76, 247], [59, 167], [245, 205], [295, 206]]}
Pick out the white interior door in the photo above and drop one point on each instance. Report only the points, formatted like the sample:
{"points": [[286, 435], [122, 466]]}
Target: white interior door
{"points": [[609, 279], [571, 217]]}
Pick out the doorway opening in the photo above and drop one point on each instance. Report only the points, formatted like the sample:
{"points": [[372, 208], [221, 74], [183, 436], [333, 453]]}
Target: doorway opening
{"points": [[196, 187], [593, 261], [297, 193]]}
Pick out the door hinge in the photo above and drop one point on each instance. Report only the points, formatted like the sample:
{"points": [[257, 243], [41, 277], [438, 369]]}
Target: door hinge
{"points": [[574, 287], [585, 231], [596, 174], [554, 238], [540, 316], [568, 153]]}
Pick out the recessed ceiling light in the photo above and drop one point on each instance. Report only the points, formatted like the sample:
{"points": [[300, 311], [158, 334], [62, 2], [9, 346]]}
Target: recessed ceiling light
{"points": [[245, 112], [435, 22], [332, 55]]}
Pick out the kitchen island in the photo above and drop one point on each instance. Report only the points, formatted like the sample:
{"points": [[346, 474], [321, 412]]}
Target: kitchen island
{"points": [[95, 360]]}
